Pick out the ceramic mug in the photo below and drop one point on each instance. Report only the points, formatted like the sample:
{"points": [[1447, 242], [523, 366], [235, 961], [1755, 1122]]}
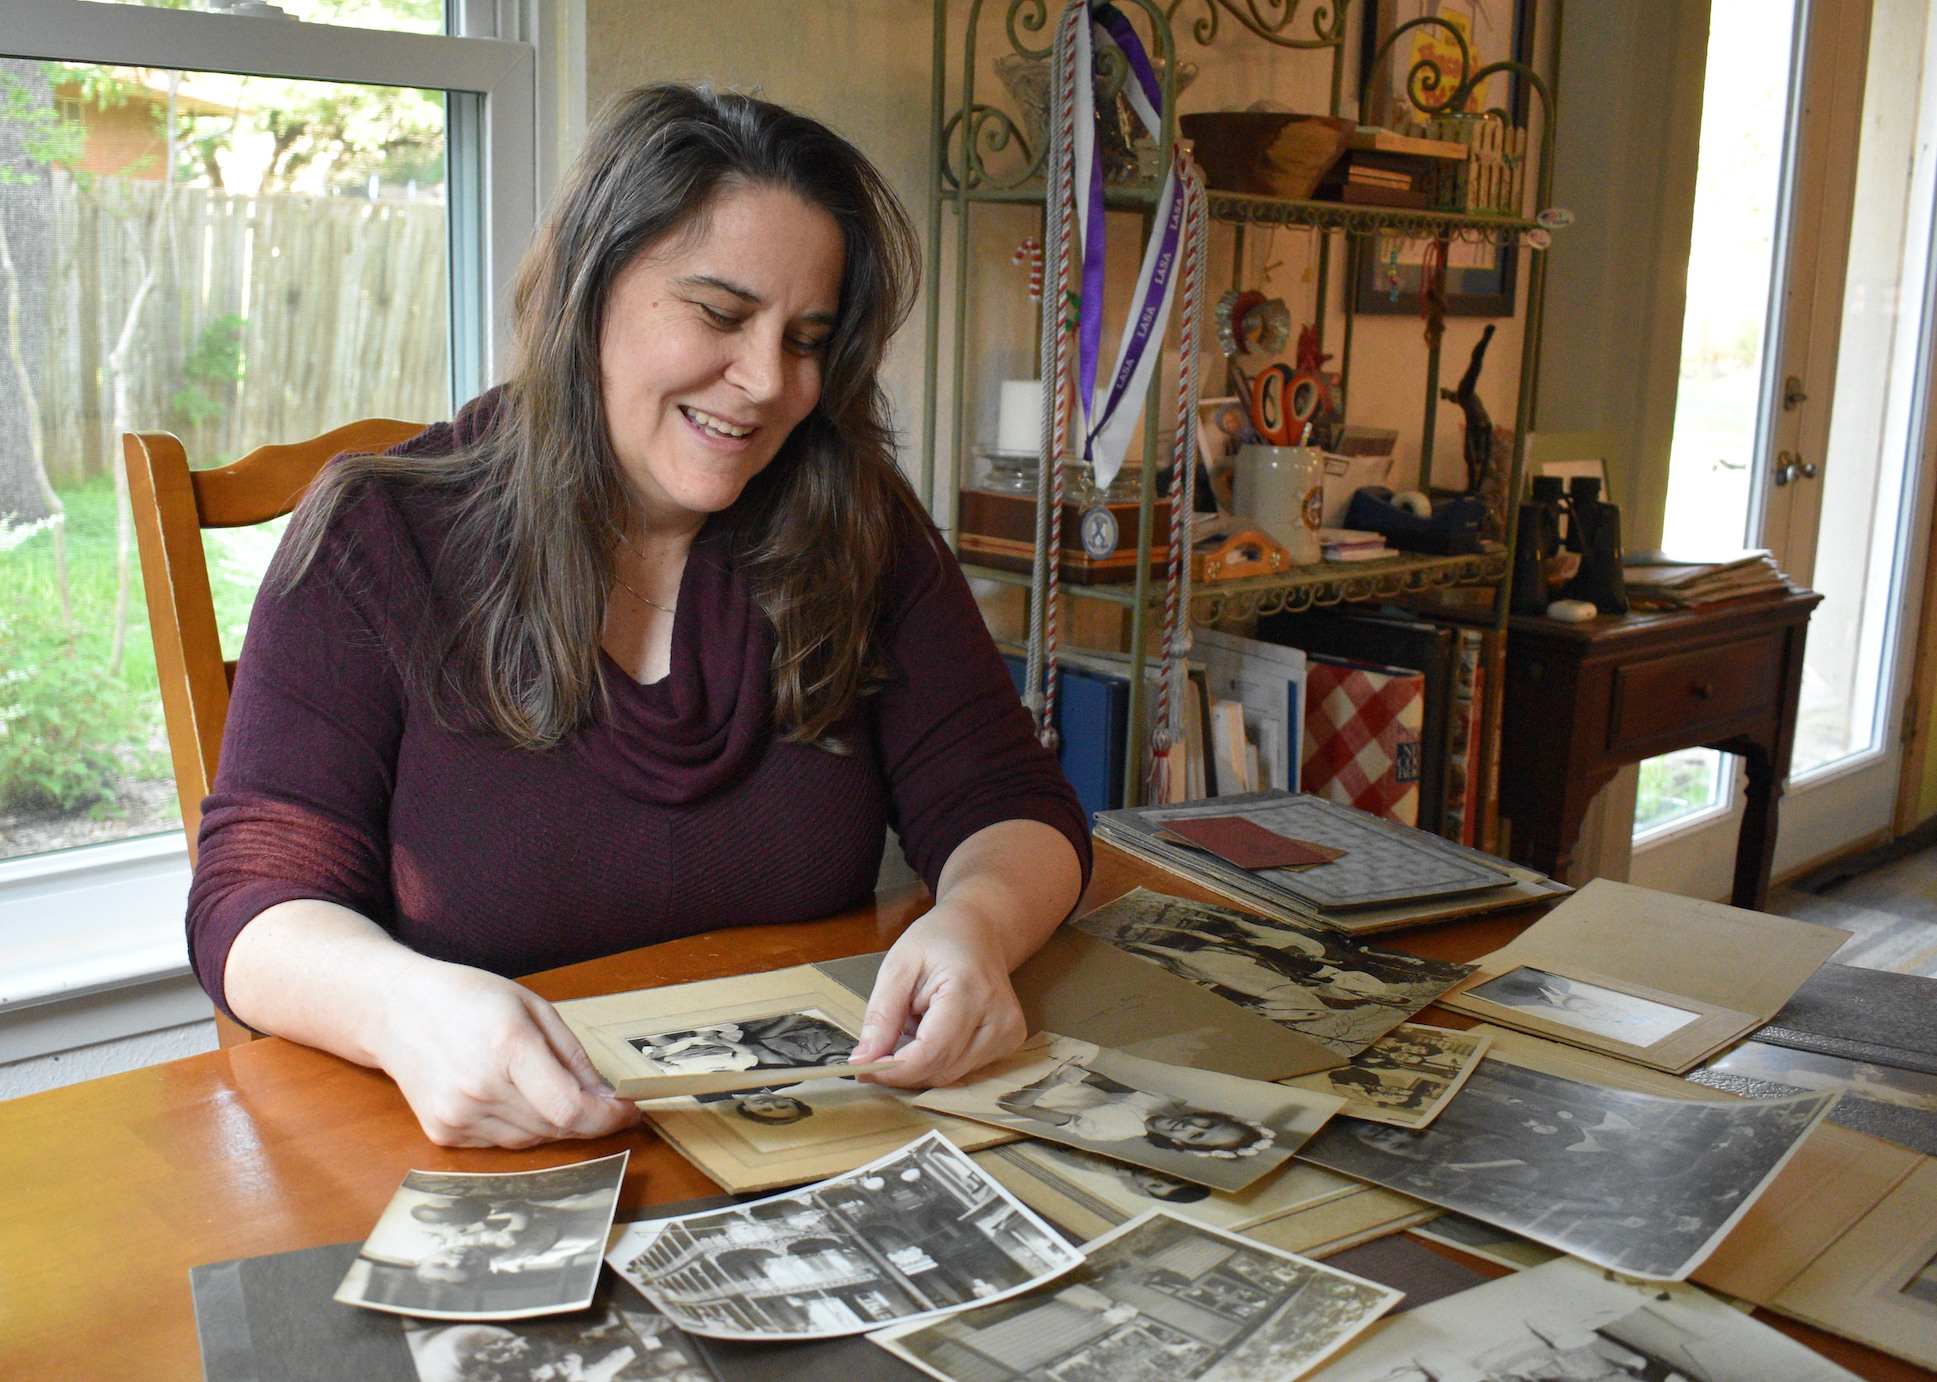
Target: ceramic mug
{"points": [[1282, 490]]}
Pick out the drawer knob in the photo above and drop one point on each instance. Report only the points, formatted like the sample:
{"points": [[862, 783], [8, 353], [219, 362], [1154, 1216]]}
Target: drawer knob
{"points": [[1702, 690]]}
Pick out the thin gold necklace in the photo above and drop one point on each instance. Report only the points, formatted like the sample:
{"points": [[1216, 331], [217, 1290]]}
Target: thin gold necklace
{"points": [[634, 590]]}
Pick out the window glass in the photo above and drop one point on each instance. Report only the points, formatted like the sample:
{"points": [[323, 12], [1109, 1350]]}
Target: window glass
{"points": [[401, 16], [236, 260]]}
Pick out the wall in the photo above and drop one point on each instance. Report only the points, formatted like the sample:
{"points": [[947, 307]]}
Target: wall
{"points": [[863, 66]]}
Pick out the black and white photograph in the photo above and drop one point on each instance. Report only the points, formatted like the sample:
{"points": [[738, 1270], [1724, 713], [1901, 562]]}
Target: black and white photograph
{"points": [[1565, 1320], [1637, 1183], [1605, 1012], [921, 1230], [1923, 1286], [785, 1040], [452, 1245], [1341, 993], [1485, 1241], [1881, 1084], [1158, 1300], [1405, 1077], [622, 1339], [1062, 1182], [1211, 1129]]}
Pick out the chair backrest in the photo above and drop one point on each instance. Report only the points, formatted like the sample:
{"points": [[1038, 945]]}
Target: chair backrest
{"points": [[172, 504]]}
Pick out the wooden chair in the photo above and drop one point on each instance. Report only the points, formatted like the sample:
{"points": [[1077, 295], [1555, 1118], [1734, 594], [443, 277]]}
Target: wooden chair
{"points": [[172, 505]]}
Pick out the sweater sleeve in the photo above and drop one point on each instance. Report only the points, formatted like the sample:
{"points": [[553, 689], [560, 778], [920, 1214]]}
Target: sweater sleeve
{"points": [[956, 744], [301, 797]]}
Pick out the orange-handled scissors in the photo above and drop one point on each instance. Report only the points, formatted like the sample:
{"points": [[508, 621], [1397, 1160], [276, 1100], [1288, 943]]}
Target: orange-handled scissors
{"points": [[1271, 405]]}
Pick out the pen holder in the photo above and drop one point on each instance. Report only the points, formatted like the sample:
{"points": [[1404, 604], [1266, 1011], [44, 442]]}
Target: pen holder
{"points": [[1282, 490]]}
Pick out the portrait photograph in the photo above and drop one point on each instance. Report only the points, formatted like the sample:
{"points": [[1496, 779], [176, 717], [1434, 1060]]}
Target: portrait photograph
{"points": [[1637, 1183], [1604, 1012], [921, 1230], [621, 1339], [1405, 1077], [1565, 1320], [1159, 1298], [1341, 993], [457, 1246], [1090, 1194], [784, 1040], [1213, 1130]]}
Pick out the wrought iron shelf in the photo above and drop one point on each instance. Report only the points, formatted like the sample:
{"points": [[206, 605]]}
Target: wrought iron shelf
{"points": [[1330, 583], [1238, 208]]}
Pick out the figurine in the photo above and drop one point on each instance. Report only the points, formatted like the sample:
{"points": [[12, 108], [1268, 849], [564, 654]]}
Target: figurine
{"points": [[1479, 427]]}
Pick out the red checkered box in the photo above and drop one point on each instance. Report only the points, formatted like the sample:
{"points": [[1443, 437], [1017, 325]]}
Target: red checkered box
{"points": [[1363, 724]]}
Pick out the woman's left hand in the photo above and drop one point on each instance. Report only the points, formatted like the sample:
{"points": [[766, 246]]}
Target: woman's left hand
{"points": [[943, 990], [942, 1004]]}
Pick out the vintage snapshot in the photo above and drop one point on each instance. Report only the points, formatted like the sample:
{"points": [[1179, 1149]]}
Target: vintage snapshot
{"points": [[1196, 1125], [620, 1339], [920, 1230], [1405, 1077], [1565, 1320], [1637, 1183], [762, 1137], [1605, 1012], [1485, 1241], [458, 1246], [1088, 1194], [1159, 1298], [1882, 1084], [1341, 993]]}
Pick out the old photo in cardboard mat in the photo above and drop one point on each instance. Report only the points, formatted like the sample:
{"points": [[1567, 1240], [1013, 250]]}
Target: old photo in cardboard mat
{"points": [[1090, 1195], [455, 1245], [1159, 1297], [920, 1230], [1196, 1125]]}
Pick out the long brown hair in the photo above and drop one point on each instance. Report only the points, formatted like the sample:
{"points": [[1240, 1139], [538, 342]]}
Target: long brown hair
{"points": [[540, 500]]}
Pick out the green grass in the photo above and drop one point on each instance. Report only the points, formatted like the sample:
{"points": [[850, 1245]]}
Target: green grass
{"points": [[72, 729]]}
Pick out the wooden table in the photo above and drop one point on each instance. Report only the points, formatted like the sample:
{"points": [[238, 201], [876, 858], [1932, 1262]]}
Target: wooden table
{"points": [[116, 1187], [1585, 700]]}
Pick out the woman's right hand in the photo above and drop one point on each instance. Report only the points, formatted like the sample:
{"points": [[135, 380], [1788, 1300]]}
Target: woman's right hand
{"points": [[485, 1062], [482, 1061]]}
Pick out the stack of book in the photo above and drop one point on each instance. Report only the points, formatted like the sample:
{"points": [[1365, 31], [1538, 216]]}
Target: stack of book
{"points": [[1666, 580], [1382, 168], [1388, 875], [1352, 544]]}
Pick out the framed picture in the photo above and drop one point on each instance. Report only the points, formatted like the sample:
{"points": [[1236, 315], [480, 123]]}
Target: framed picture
{"points": [[1480, 279]]}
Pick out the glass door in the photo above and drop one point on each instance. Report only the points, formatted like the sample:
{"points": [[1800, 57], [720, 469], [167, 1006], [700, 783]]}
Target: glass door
{"points": [[1801, 413]]}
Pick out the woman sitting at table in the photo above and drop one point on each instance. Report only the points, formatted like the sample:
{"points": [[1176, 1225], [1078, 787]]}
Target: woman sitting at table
{"points": [[652, 640]]}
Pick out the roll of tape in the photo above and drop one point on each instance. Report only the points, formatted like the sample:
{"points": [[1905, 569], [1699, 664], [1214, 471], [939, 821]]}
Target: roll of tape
{"points": [[1413, 502]]}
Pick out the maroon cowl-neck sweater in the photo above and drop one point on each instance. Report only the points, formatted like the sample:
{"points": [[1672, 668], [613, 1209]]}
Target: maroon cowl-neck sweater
{"points": [[679, 810]]}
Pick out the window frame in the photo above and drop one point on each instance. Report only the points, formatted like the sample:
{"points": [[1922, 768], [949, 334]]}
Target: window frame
{"points": [[515, 71]]}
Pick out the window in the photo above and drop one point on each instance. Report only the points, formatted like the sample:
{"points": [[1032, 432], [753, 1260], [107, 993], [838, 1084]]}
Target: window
{"points": [[238, 229]]}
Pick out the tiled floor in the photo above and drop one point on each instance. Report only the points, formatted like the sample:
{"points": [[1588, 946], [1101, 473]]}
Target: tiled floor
{"points": [[1892, 909]]}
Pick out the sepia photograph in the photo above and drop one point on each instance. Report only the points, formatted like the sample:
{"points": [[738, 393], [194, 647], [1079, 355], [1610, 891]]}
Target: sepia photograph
{"points": [[785, 1040], [1637, 1183], [620, 1339], [1405, 1077], [453, 1245], [1605, 1012], [1159, 1298], [921, 1230], [1089, 1194], [1210, 1129], [1565, 1320], [1339, 992]]}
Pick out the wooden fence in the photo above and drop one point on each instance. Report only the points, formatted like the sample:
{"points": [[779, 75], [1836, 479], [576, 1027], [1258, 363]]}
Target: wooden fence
{"points": [[341, 305]]}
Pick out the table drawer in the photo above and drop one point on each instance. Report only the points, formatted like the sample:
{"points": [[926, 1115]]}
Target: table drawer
{"points": [[1667, 696]]}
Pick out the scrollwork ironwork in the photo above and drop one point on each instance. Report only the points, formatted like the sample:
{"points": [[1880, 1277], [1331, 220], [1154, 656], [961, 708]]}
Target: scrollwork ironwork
{"points": [[1268, 20], [1243, 599], [984, 129], [1033, 16]]}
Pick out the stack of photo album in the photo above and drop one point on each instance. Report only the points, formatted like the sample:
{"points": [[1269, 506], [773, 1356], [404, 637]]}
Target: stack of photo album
{"points": [[1298, 856], [1196, 1169]]}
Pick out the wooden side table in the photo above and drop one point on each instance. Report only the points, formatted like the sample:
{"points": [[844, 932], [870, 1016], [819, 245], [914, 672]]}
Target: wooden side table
{"points": [[1585, 700]]}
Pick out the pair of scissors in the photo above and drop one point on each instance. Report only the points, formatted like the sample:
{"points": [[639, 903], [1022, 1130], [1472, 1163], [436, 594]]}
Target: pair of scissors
{"points": [[1271, 410]]}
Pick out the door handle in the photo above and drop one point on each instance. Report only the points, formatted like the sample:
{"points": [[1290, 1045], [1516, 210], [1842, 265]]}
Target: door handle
{"points": [[1790, 466]]}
